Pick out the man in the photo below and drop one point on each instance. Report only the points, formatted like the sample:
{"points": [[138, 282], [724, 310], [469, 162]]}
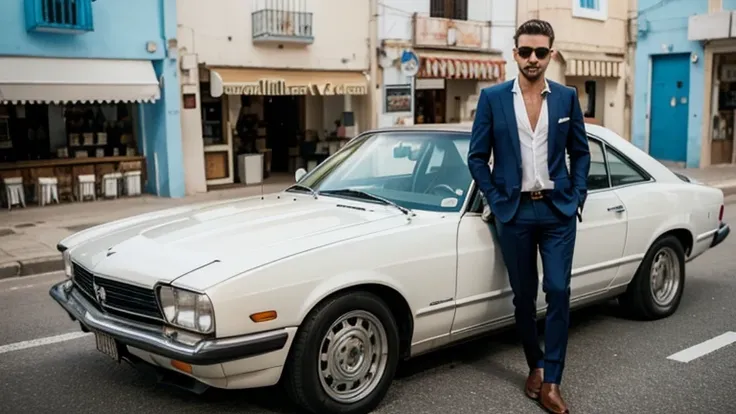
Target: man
{"points": [[528, 123]]}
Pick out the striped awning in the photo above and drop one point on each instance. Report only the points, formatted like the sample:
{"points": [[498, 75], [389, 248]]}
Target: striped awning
{"points": [[596, 68], [450, 67]]}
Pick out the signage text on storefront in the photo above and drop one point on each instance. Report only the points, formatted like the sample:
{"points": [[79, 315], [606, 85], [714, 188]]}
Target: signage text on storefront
{"points": [[280, 87]]}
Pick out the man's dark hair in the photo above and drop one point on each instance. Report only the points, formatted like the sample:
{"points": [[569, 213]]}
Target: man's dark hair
{"points": [[535, 27]]}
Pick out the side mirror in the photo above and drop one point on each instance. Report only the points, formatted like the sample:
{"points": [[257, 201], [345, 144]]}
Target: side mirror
{"points": [[301, 172]]}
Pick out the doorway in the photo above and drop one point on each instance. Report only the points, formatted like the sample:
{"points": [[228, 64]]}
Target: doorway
{"points": [[430, 106], [283, 116], [670, 102]]}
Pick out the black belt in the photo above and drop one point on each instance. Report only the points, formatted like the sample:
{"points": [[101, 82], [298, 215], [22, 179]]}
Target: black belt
{"points": [[535, 195]]}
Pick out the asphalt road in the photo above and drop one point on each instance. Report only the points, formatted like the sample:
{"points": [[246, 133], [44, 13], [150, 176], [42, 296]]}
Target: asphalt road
{"points": [[614, 365]]}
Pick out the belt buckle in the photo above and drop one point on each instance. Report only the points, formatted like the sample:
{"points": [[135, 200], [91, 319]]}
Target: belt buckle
{"points": [[536, 195]]}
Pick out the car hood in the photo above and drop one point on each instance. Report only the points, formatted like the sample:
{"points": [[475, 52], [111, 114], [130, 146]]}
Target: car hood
{"points": [[230, 237]]}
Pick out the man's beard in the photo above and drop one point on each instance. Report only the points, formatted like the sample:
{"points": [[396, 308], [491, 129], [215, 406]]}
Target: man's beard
{"points": [[538, 73]]}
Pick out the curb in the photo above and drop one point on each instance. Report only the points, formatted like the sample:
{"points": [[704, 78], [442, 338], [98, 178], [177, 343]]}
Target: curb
{"points": [[34, 266]]}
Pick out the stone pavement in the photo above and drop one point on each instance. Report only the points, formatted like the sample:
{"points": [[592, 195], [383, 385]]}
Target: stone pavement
{"points": [[28, 237]]}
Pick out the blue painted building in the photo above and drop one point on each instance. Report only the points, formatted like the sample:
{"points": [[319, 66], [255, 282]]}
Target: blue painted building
{"points": [[96, 78], [685, 81]]}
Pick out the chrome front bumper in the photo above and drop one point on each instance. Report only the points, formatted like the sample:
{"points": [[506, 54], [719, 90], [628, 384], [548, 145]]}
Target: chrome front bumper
{"points": [[159, 341]]}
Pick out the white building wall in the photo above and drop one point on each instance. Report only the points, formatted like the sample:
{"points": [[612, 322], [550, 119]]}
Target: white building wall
{"points": [[395, 33], [219, 33]]}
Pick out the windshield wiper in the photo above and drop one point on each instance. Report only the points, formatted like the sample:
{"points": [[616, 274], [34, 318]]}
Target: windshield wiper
{"points": [[302, 187], [363, 194]]}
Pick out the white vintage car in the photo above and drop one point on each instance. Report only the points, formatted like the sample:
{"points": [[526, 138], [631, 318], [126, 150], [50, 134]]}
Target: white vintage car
{"points": [[377, 255]]}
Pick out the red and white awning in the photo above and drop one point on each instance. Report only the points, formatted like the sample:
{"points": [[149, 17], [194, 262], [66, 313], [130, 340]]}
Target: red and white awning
{"points": [[461, 68]]}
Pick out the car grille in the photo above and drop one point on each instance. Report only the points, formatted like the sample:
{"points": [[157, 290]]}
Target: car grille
{"points": [[121, 299]]}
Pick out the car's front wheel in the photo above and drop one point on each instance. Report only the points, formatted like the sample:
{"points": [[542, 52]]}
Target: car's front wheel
{"points": [[344, 356], [656, 290]]}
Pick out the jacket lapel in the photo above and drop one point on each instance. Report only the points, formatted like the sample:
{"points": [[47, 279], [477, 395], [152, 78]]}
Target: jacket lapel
{"points": [[507, 105]]}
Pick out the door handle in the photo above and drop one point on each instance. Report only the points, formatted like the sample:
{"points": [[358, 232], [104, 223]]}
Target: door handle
{"points": [[617, 209]]}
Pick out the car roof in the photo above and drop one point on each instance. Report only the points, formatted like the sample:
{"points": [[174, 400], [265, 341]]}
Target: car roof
{"points": [[609, 137]]}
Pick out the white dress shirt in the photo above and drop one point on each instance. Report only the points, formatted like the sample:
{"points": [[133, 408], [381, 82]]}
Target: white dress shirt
{"points": [[535, 172]]}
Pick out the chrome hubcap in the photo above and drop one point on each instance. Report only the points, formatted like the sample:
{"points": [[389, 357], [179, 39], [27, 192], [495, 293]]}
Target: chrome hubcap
{"points": [[353, 356], [665, 276]]}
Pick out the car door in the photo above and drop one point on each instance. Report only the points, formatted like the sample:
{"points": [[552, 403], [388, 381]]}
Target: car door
{"points": [[631, 185], [483, 293], [601, 236]]}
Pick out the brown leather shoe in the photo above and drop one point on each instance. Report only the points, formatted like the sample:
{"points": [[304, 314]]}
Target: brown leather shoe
{"points": [[551, 400], [534, 383]]}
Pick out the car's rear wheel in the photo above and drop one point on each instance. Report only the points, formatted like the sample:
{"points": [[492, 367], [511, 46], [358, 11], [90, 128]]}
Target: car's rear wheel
{"points": [[656, 290], [344, 355]]}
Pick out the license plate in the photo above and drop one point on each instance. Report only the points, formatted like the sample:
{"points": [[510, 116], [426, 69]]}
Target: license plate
{"points": [[107, 345]]}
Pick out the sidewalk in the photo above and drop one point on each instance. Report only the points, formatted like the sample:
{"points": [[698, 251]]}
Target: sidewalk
{"points": [[723, 177], [28, 237]]}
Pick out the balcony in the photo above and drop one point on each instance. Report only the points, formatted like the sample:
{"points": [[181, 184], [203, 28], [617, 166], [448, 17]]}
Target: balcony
{"points": [[282, 26], [59, 16], [443, 33]]}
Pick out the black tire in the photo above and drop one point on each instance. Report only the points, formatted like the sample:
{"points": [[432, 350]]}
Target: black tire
{"points": [[302, 372], [639, 299]]}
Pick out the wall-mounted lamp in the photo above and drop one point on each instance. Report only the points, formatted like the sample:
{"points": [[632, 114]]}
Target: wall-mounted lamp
{"points": [[694, 58]]}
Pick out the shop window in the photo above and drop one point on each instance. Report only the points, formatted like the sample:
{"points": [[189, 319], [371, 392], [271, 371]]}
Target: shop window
{"points": [[590, 91], [449, 9], [31, 132], [212, 131], [73, 16]]}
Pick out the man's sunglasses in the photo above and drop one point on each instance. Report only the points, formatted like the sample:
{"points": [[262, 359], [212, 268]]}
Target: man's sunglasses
{"points": [[526, 51]]}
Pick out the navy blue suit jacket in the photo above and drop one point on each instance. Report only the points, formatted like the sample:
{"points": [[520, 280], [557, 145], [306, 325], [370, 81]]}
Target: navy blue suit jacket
{"points": [[495, 131]]}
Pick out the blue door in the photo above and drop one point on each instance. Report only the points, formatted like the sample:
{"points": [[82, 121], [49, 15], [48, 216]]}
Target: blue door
{"points": [[670, 99]]}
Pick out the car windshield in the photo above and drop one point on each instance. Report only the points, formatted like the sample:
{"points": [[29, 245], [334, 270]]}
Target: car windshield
{"points": [[417, 170]]}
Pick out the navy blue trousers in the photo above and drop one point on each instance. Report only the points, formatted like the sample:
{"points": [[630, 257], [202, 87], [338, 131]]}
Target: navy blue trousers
{"points": [[538, 226]]}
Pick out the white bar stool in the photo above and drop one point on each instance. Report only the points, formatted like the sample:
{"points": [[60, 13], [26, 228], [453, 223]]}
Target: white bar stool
{"points": [[86, 187], [48, 190], [110, 184], [133, 183], [14, 192]]}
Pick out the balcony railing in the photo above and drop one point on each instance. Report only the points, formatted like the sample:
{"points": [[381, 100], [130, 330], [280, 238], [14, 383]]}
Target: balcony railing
{"points": [[65, 16], [283, 26]]}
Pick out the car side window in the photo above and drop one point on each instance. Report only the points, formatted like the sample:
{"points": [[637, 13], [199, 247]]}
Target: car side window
{"points": [[622, 172], [598, 175]]}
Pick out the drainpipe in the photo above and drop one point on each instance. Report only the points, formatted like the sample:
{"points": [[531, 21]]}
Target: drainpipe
{"points": [[373, 55]]}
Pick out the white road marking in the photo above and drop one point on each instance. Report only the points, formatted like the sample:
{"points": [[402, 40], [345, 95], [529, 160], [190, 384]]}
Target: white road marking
{"points": [[704, 348], [42, 341]]}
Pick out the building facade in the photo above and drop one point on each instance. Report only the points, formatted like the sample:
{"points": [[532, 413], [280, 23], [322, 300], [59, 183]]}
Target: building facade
{"points": [[434, 57], [591, 44], [286, 81], [90, 88], [690, 100]]}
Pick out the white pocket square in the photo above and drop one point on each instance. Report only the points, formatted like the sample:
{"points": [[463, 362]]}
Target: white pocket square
{"points": [[561, 120]]}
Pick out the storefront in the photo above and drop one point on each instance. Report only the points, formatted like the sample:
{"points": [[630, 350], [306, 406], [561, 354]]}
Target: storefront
{"points": [[288, 119], [723, 106], [66, 118], [600, 82], [438, 75], [447, 86]]}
